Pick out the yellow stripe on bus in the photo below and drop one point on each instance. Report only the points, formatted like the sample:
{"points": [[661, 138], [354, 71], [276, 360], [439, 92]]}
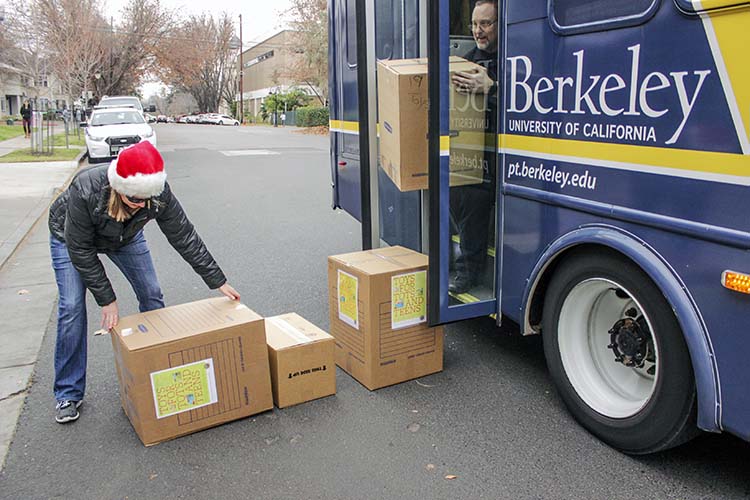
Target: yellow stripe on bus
{"points": [[679, 159], [720, 4], [343, 126], [731, 28]]}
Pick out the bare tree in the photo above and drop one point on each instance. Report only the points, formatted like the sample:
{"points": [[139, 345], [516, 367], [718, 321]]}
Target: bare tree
{"points": [[131, 45], [23, 51], [197, 59], [71, 32], [309, 18]]}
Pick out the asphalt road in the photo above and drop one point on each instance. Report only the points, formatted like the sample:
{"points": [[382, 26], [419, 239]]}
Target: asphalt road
{"points": [[491, 418]]}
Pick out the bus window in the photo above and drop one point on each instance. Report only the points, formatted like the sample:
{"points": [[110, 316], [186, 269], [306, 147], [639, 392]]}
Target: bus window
{"points": [[385, 19], [351, 34], [580, 16], [460, 18]]}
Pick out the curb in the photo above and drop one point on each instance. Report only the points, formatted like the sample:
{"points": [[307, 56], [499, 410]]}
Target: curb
{"points": [[12, 404]]}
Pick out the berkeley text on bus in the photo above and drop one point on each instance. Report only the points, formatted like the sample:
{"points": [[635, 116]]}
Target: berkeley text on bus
{"points": [[593, 99]]}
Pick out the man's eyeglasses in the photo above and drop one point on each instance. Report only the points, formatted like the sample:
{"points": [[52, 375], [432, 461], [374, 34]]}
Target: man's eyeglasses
{"points": [[133, 199], [481, 24]]}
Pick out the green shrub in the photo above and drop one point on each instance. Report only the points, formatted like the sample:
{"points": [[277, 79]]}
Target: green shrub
{"points": [[312, 117]]}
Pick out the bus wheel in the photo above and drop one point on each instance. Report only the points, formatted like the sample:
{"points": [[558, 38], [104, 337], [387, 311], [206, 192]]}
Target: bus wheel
{"points": [[615, 352]]}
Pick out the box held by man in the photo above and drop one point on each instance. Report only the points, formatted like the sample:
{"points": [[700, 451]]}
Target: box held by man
{"points": [[402, 112]]}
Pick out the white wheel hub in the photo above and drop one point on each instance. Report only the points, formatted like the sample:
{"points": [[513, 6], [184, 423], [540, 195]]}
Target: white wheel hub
{"points": [[606, 385]]}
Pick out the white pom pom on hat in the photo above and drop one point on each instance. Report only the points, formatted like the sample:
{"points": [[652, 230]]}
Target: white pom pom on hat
{"points": [[138, 171]]}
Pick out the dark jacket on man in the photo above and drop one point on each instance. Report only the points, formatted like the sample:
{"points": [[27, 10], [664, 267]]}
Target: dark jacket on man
{"points": [[488, 60], [25, 111], [79, 218]]}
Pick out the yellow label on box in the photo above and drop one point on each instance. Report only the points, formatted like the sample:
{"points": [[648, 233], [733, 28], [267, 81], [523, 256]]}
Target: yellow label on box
{"points": [[184, 388], [348, 290], [408, 299]]}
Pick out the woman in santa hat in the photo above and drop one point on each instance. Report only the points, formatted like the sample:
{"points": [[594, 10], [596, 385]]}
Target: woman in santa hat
{"points": [[103, 211]]}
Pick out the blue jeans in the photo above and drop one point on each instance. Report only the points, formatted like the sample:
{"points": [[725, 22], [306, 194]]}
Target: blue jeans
{"points": [[134, 260]]}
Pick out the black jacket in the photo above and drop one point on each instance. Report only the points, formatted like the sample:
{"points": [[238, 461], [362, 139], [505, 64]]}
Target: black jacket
{"points": [[25, 112], [79, 218], [489, 61]]}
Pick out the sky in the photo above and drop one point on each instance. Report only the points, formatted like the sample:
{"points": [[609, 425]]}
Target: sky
{"points": [[260, 18]]}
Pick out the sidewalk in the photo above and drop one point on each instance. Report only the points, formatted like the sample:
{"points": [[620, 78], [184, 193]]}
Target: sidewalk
{"points": [[20, 142], [27, 284]]}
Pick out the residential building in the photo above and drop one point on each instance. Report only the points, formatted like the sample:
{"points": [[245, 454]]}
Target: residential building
{"points": [[15, 86]]}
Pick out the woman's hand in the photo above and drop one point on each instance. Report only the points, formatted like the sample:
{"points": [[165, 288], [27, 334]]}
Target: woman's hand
{"points": [[230, 292], [110, 316]]}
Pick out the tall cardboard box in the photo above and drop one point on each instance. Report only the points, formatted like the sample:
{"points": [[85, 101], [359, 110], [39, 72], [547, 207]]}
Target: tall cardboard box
{"points": [[378, 312], [189, 367], [301, 356], [402, 113]]}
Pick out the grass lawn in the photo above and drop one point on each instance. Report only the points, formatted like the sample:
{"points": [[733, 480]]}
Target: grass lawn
{"points": [[24, 155], [72, 140], [10, 131]]}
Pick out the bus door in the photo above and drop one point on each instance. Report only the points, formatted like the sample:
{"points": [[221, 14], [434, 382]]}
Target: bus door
{"points": [[395, 214], [463, 41]]}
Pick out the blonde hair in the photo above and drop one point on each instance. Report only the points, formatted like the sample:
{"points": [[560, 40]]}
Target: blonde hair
{"points": [[116, 208]]}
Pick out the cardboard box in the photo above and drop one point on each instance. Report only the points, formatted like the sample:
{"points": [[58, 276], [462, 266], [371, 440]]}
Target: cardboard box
{"points": [[402, 113], [301, 356], [378, 311], [192, 366]]}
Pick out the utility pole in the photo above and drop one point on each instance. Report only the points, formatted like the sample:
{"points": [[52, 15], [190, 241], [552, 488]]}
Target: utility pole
{"points": [[242, 77]]}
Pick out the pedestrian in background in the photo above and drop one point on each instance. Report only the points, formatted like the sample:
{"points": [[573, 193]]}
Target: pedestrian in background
{"points": [[103, 211], [26, 118]]}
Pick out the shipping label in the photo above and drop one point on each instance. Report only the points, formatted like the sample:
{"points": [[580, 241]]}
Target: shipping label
{"points": [[184, 388], [348, 291], [408, 299]]}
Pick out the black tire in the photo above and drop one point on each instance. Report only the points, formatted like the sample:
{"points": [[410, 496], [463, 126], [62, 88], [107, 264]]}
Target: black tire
{"points": [[93, 161], [668, 412]]}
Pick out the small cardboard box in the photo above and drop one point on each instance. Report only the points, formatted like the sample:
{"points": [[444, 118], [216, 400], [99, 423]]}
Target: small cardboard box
{"points": [[402, 112], [301, 356], [189, 367], [378, 311]]}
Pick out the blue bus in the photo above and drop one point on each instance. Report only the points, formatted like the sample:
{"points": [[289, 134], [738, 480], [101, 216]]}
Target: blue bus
{"points": [[619, 226]]}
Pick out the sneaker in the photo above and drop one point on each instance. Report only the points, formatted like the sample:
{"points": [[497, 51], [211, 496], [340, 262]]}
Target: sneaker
{"points": [[67, 411], [461, 284]]}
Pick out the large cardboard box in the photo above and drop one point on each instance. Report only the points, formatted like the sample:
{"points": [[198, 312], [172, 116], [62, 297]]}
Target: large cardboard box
{"points": [[192, 366], [378, 311], [402, 113], [301, 356]]}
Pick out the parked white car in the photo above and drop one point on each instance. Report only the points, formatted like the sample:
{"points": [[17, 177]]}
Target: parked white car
{"points": [[226, 120], [120, 101], [109, 130]]}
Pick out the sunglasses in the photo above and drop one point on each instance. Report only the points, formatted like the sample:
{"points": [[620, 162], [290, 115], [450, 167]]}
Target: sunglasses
{"points": [[133, 199]]}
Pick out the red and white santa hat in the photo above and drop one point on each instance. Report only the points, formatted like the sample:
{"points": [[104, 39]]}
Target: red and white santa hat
{"points": [[138, 171]]}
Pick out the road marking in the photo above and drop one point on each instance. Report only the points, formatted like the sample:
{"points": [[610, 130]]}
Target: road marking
{"points": [[249, 152]]}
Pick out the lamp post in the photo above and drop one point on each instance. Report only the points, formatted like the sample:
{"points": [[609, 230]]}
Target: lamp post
{"points": [[236, 43], [275, 112]]}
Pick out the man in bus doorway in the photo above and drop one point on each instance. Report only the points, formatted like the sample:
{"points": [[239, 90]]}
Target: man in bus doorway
{"points": [[471, 205]]}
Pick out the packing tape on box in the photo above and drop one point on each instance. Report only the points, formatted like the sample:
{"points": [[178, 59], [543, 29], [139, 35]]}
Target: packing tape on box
{"points": [[293, 332]]}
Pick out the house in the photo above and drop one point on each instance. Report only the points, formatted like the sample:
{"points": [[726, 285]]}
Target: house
{"points": [[15, 86]]}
